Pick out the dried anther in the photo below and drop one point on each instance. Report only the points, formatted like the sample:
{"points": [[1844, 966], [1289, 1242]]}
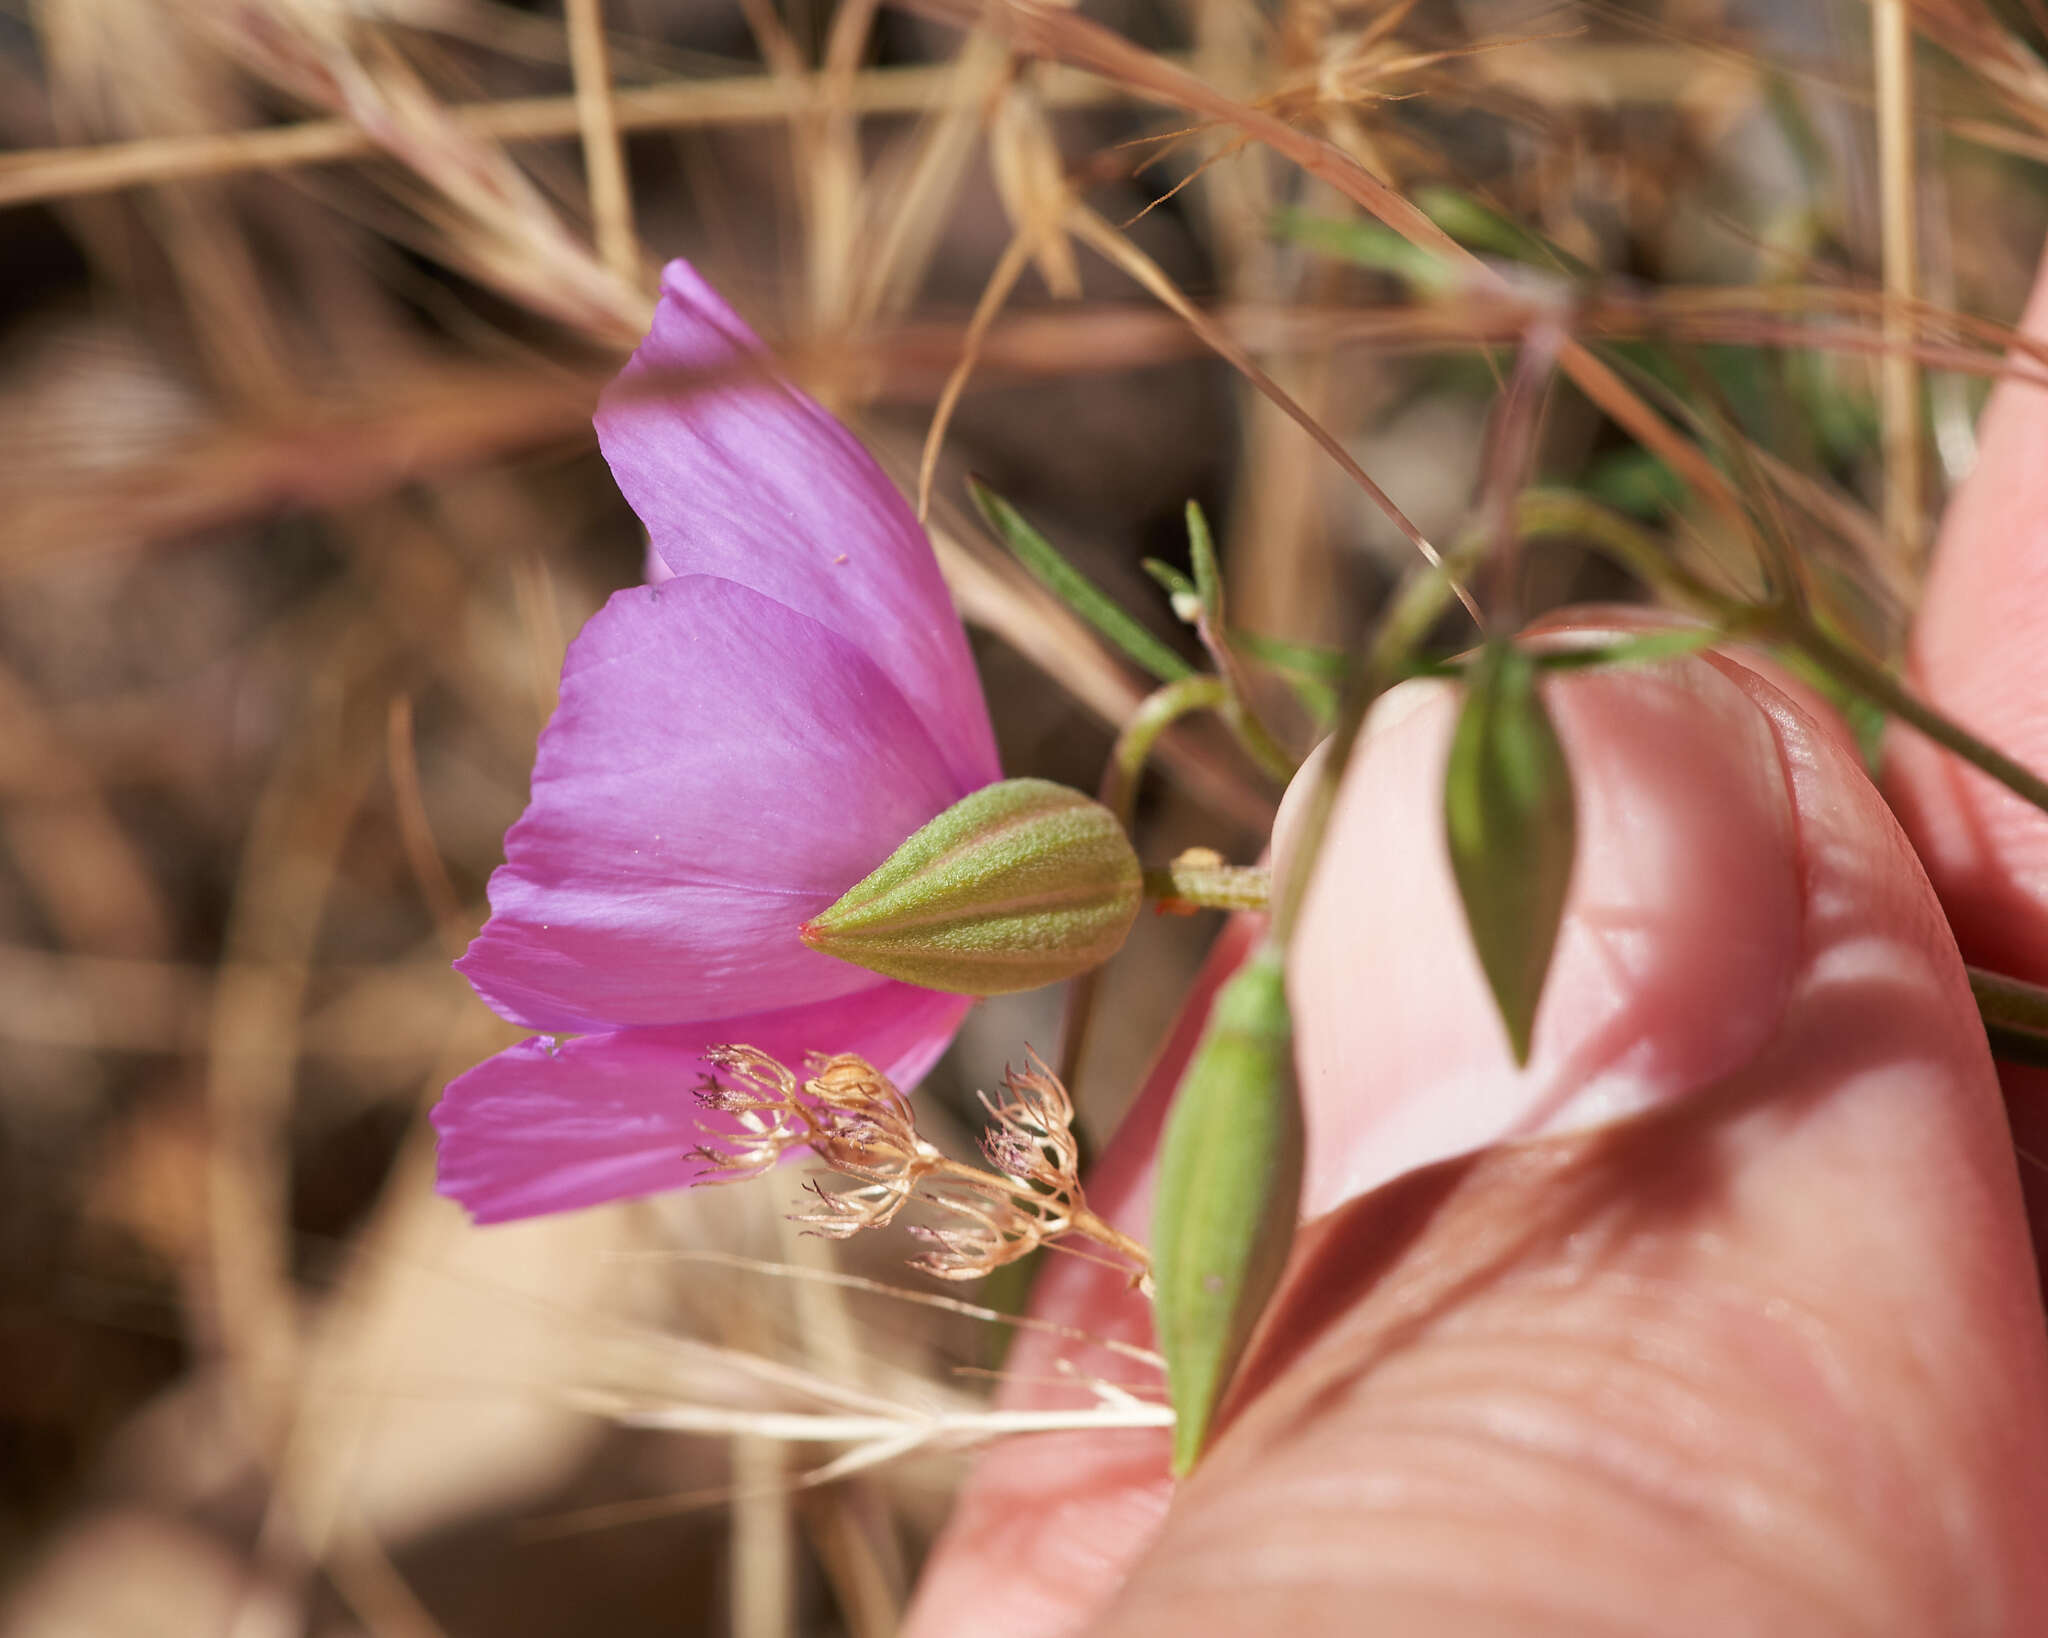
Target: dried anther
{"points": [[846, 1112], [860, 1126]]}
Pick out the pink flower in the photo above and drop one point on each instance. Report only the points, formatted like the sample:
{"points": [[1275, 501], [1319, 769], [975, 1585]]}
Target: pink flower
{"points": [[734, 748]]}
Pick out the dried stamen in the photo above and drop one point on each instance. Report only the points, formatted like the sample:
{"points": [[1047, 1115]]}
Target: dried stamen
{"points": [[860, 1126]]}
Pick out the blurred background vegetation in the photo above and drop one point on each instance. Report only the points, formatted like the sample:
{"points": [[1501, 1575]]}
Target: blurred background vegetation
{"points": [[306, 306]]}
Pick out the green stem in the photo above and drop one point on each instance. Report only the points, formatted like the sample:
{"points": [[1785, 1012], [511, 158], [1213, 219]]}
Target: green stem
{"points": [[1417, 607], [1257, 738], [1881, 688], [1236, 709], [1542, 513], [1157, 712], [1199, 880], [2015, 1016], [1554, 511], [1213, 628]]}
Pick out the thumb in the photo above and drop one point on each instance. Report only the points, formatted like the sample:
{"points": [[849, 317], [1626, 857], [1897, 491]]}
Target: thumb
{"points": [[1765, 1356]]}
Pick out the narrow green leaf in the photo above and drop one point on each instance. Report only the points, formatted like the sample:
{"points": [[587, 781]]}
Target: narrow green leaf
{"points": [[1511, 823], [1202, 554], [1324, 665], [1229, 1192], [1315, 674], [1479, 227], [1075, 589], [1180, 590], [1202, 597], [1646, 648], [1176, 584], [1635, 481], [1435, 666], [1366, 244]]}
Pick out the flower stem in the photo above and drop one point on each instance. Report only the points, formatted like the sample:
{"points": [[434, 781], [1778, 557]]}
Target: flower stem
{"points": [[1256, 738], [1552, 511], [1416, 607], [1081, 1218], [1199, 880], [1235, 707], [1103, 1233], [1542, 513], [1864, 676], [2015, 1016], [1157, 712], [1212, 627]]}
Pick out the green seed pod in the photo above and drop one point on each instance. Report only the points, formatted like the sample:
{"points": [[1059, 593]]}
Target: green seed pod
{"points": [[1021, 884], [1229, 1191], [1510, 820]]}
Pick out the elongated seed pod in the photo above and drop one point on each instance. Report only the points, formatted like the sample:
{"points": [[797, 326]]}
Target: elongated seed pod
{"points": [[1229, 1191]]}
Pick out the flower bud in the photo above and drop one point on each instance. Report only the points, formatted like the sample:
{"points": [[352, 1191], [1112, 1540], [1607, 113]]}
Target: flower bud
{"points": [[1022, 883]]}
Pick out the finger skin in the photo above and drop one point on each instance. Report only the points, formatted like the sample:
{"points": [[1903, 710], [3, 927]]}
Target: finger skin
{"points": [[1764, 1358], [1684, 887], [1980, 654]]}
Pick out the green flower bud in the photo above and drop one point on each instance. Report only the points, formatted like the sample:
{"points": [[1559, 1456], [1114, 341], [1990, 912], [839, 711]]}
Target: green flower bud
{"points": [[1021, 884]]}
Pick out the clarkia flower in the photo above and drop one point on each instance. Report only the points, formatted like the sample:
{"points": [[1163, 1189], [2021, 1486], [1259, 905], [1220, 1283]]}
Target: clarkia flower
{"points": [[735, 747]]}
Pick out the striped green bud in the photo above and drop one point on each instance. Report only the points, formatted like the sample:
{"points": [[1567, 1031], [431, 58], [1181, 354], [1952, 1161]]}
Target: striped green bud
{"points": [[1021, 884]]}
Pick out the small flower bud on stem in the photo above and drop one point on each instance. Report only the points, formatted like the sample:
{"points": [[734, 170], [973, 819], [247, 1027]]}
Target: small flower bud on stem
{"points": [[1200, 879]]}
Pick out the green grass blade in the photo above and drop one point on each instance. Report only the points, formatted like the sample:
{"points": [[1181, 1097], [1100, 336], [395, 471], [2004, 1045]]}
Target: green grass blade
{"points": [[1075, 589]]}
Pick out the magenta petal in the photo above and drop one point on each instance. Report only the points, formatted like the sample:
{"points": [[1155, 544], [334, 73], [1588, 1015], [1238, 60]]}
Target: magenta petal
{"points": [[548, 1126], [720, 768], [752, 481]]}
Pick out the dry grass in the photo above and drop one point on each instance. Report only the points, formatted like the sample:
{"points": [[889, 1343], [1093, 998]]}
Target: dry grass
{"points": [[309, 305]]}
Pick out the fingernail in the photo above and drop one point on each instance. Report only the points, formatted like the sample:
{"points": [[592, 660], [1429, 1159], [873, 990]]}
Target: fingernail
{"points": [[1677, 954]]}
